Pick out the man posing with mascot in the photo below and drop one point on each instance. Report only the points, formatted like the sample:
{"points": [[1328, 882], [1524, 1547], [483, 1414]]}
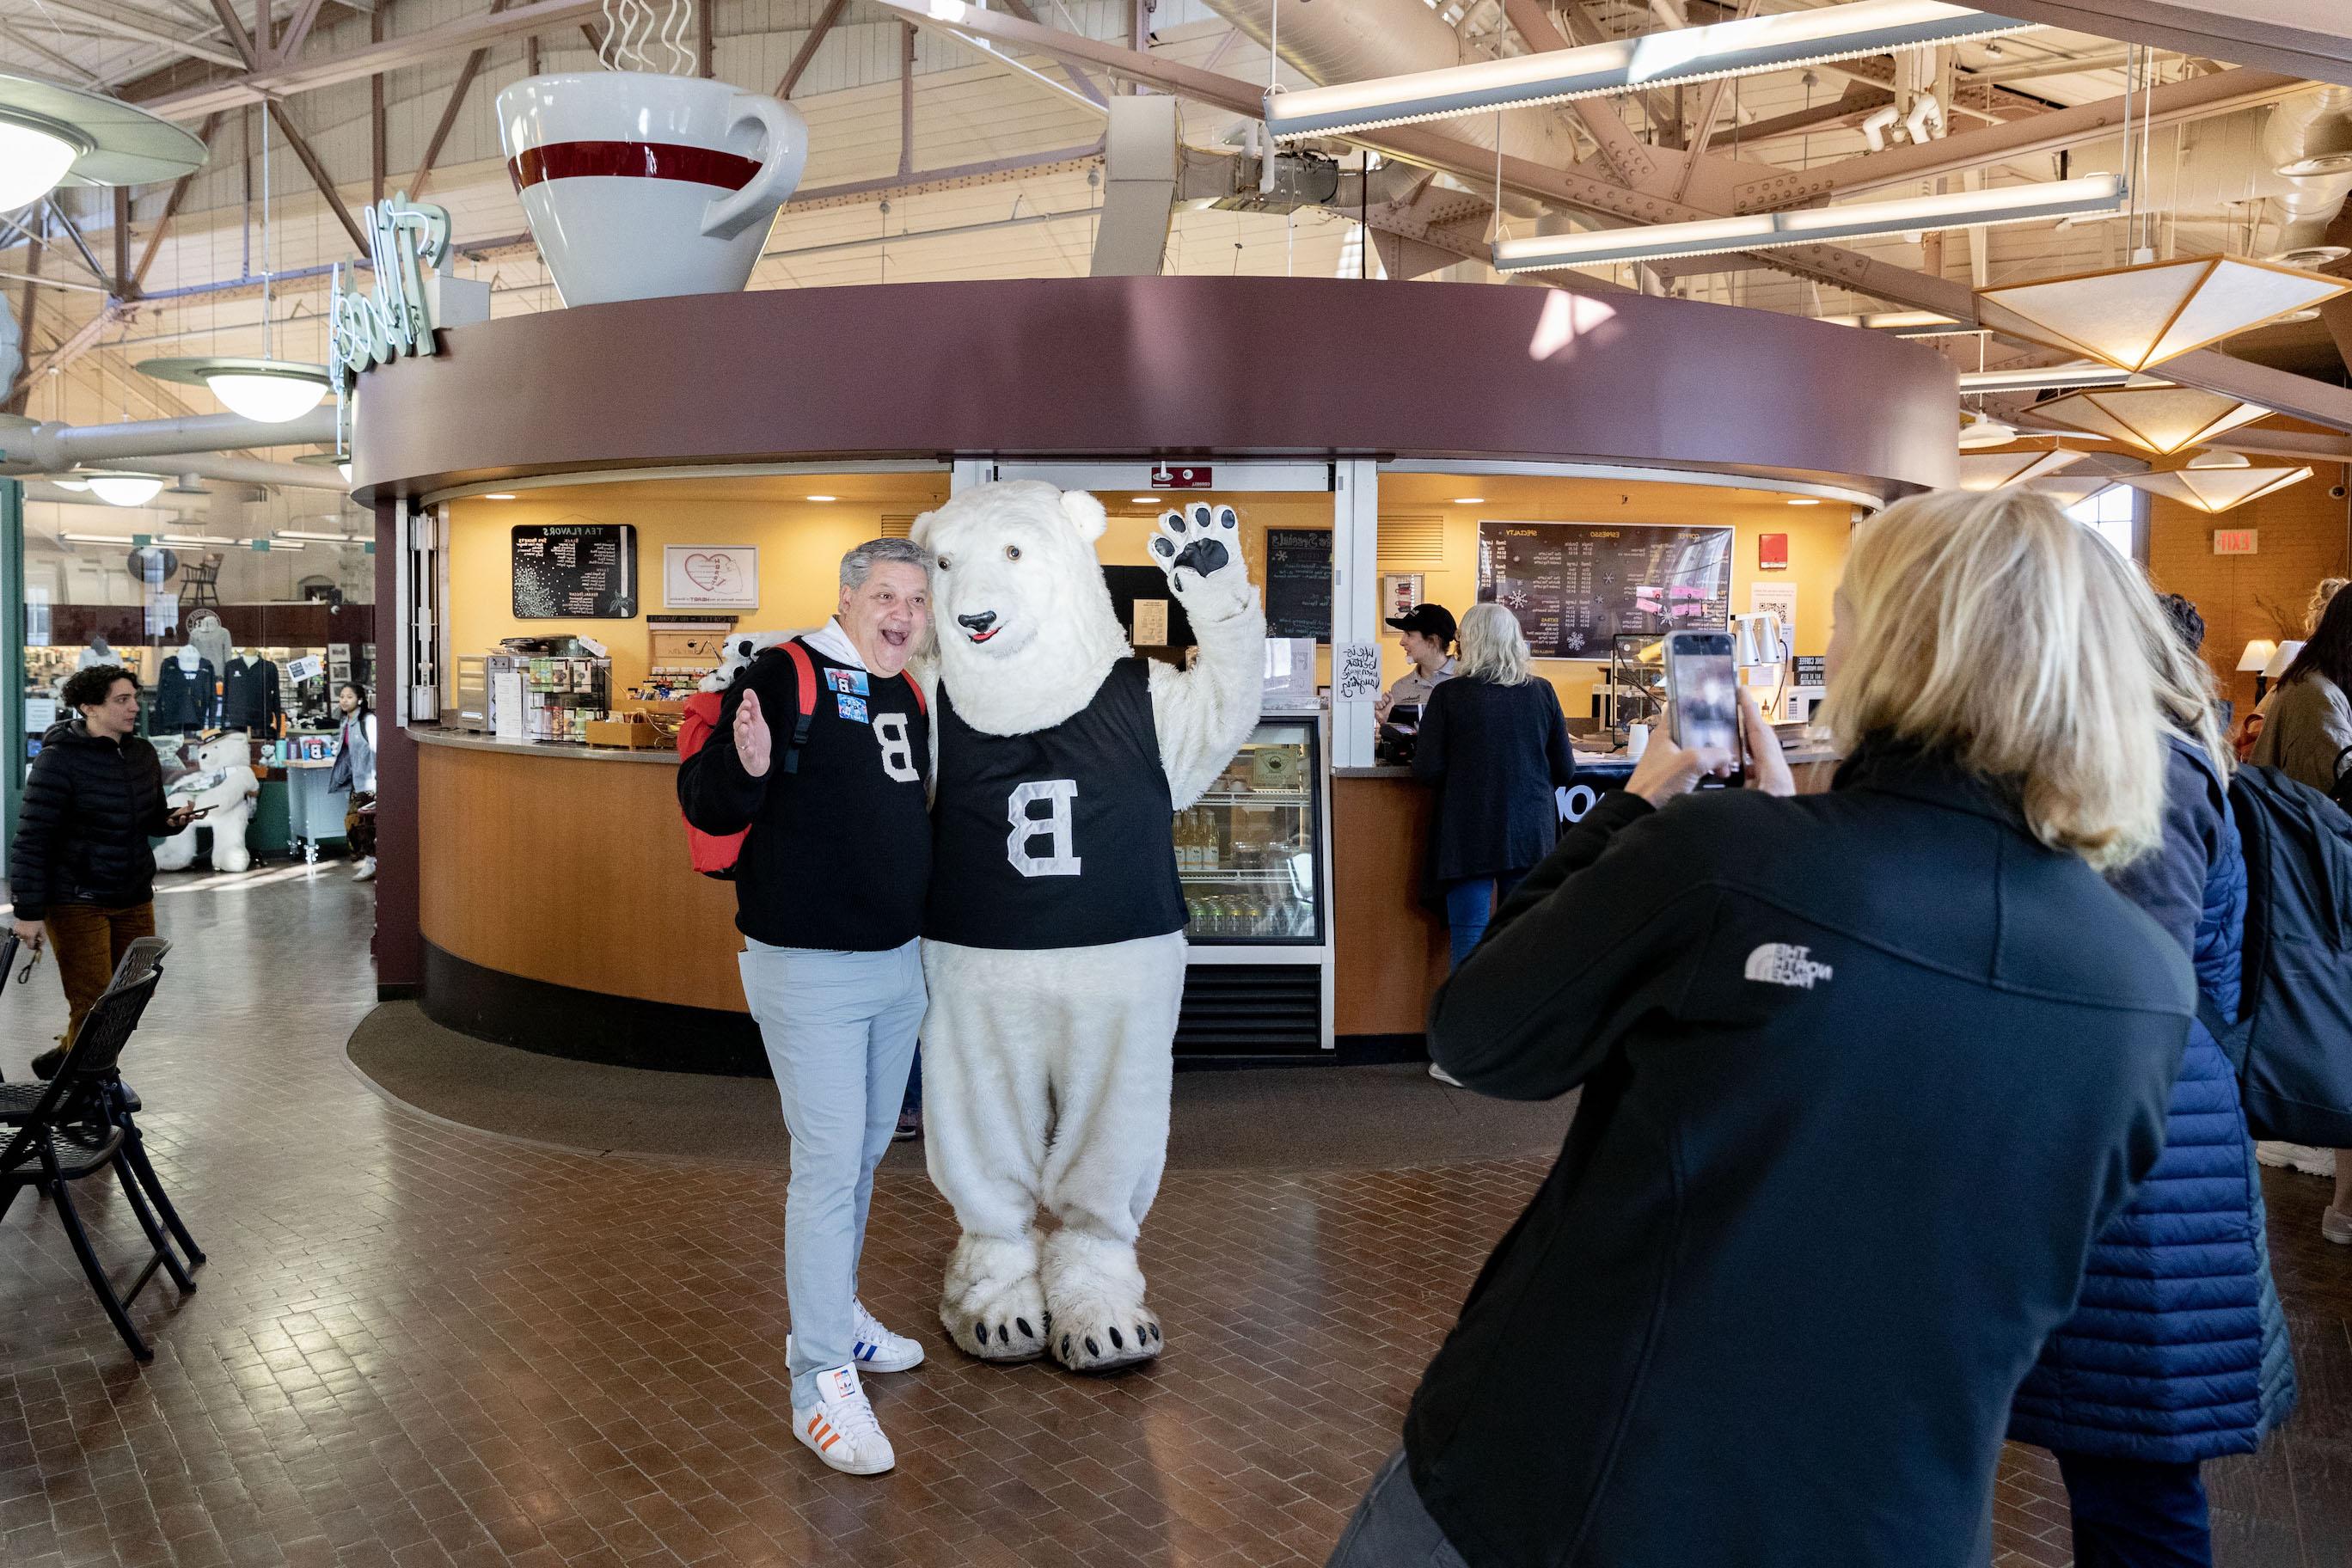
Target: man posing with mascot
{"points": [[1053, 929]]}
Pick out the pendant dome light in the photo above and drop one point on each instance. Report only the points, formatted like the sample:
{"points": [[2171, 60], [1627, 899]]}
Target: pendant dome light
{"points": [[51, 133], [116, 488], [266, 390]]}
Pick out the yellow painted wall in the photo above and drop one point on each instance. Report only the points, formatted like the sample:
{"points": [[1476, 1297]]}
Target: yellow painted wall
{"points": [[801, 545], [1817, 543]]}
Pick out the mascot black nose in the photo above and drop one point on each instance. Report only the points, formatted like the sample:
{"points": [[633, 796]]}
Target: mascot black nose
{"points": [[979, 623]]}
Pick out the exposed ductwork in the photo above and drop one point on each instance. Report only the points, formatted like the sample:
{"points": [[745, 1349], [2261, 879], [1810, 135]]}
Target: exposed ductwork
{"points": [[1143, 156], [2222, 172], [183, 445]]}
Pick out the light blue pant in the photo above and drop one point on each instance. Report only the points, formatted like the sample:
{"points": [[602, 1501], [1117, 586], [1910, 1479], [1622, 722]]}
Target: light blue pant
{"points": [[840, 1029]]}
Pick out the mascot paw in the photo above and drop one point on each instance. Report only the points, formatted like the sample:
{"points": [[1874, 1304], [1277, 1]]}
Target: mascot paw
{"points": [[1095, 1292], [1201, 539], [1100, 1333], [993, 1307]]}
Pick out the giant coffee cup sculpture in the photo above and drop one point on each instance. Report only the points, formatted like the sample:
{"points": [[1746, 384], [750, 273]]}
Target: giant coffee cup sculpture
{"points": [[639, 181]]}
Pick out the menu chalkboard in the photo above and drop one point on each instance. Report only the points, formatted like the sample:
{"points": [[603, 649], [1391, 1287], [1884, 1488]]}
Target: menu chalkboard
{"points": [[1574, 585], [1298, 583], [575, 570]]}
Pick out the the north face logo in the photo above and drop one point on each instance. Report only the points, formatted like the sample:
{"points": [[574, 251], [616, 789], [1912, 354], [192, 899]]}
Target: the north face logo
{"points": [[1780, 963]]}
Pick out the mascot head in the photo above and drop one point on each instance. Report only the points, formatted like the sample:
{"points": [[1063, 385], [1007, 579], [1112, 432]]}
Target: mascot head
{"points": [[229, 749], [1024, 622], [737, 654]]}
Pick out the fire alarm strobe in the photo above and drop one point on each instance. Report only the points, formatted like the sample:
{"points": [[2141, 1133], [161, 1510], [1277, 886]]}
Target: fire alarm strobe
{"points": [[1165, 478]]}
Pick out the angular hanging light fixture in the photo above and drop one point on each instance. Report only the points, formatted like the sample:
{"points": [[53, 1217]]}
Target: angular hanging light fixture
{"points": [[2142, 315], [1744, 48], [1809, 226], [51, 133], [2217, 482], [2160, 419], [1990, 470]]}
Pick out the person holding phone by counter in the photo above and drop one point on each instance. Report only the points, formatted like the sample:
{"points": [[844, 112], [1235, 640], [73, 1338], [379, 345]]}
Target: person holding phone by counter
{"points": [[82, 870], [1864, 1073]]}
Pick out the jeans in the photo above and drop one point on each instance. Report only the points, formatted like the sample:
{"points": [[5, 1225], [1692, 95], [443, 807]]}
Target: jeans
{"points": [[2129, 1513], [1391, 1530], [1470, 904], [840, 1029], [90, 940]]}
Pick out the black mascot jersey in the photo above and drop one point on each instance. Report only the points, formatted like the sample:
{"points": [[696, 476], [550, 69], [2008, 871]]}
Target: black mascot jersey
{"points": [[1064, 837]]}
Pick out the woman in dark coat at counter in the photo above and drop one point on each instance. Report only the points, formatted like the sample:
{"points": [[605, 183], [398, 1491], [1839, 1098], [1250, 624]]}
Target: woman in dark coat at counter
{"points": [[1865, 1074], [2178, 1351], [1495, 742]]}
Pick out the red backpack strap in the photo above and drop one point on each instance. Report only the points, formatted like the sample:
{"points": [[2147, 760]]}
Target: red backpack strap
{"points": [[916, 686], [806, 673]]}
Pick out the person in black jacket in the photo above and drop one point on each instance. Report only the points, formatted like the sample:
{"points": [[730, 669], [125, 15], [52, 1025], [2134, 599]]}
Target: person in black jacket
{"points": [[1863, 1075], [82, 872], [1494, 741], [821, 751]]}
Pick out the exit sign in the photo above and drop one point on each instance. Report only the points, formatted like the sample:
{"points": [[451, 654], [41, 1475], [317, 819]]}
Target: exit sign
{"points": [[2234, 540]]}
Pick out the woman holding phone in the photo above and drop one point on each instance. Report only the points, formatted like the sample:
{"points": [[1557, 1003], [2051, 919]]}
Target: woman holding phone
{"points": [[1863, 1075]]}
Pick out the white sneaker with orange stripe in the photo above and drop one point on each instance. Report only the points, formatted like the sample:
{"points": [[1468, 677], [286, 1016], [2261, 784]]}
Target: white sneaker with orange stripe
{"points": [[840, 1428]]}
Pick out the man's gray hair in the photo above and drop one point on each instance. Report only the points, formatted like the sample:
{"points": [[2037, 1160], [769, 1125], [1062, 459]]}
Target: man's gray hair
{"points": [[860, 562]]}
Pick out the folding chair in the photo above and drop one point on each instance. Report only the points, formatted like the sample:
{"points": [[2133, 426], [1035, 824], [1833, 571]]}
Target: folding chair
{"points": [[144, 956], [76, 1128]]}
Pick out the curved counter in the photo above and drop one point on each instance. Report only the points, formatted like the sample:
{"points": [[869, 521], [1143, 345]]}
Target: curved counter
{"points": [[553, 905]]}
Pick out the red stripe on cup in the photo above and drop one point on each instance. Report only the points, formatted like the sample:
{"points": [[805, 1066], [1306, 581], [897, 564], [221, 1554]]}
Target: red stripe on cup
{"points": [[631, 160]]}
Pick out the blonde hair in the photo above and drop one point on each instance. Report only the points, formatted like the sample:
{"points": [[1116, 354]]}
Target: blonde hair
{"points": [[2320, 595], [1982, 626], [2185, 688], [1493, 646]]}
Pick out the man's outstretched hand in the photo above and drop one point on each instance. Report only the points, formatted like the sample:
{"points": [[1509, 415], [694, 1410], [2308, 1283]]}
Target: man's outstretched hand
{"points": [[752, 741]]}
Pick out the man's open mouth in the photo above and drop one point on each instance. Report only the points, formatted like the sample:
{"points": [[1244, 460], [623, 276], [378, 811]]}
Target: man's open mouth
{"points": [[895, 638]]}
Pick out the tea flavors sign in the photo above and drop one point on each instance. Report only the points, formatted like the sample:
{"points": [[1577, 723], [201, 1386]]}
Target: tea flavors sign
{"points": [[710, 576]]}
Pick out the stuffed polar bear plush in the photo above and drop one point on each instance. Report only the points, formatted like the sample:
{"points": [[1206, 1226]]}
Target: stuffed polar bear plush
{"points": [[1053, 947], [223, 781]]}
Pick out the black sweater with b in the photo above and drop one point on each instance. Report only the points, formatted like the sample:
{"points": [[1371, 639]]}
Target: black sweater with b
{"points": [[839, 854]]}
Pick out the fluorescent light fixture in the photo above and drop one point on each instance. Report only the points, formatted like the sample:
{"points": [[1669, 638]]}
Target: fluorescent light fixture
{"points": [[125, 490], [1745, 47], [820, 498], [494, 495], [95, 538], [1804, 500], [193, 541], [319, 538], [1903, 323], [1469, 500], [2052, 377], [1143, 501], [1808, 225]]}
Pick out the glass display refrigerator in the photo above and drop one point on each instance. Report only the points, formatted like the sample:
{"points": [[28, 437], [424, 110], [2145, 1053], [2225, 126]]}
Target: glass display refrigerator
{"points": [[1253, 855]]}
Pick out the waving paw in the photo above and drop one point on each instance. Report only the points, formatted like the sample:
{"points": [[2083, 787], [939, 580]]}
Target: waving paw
{"points": [[1205, 540]]}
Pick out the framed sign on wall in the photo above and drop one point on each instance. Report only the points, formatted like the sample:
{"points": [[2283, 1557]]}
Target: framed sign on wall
{"points": [[710, 576], [575, 570]]}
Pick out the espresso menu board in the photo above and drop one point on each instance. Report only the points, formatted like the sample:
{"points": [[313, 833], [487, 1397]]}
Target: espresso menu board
{"points": [[575, 570], [1298, 583], [1574, 585]]}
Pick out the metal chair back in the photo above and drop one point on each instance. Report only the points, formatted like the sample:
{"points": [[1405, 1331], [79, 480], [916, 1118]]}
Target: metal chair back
{"points": [[90, 1065]]}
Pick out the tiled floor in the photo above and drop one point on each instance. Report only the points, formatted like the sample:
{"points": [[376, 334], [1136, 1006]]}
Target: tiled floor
{"points": [[419, 1345]]}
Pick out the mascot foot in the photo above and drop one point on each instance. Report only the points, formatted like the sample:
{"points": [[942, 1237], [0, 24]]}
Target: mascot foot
{"points": [[993, 1307], [1095, 1292]]}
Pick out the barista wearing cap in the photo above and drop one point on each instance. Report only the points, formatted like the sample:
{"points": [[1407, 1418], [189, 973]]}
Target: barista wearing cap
{"points": [[1428, 631]]}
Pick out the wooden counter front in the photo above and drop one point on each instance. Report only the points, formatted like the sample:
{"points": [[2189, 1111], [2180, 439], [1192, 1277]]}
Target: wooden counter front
{"points": [[1391, 946], [571, 868]]}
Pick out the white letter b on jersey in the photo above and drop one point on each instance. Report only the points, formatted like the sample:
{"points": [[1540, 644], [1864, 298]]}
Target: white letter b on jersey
{"points": [[897, 751], [1026, 828]]}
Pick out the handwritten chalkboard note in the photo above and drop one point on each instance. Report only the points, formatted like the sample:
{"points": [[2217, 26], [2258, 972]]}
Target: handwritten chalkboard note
{"points": [[575, 570], [1298, 583], [1574, 585]]}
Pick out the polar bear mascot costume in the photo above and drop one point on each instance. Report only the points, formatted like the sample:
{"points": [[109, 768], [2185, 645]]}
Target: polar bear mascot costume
{"points": [[223, 781], [1054, 946]]}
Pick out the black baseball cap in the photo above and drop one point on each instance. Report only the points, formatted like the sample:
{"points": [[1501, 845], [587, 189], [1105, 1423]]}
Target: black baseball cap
{"points": [[1429, 620]]}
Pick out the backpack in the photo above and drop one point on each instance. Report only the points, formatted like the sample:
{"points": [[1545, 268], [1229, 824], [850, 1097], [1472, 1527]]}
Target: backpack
{"points": [[714, 854], [2292, 1041]]}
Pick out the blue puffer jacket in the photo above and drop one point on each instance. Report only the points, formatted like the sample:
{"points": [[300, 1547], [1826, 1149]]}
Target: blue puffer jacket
{"points": [[2177, 1350]]}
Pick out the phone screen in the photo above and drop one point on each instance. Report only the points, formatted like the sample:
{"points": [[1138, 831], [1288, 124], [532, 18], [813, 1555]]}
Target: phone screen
{"points": [[1703, 686]]}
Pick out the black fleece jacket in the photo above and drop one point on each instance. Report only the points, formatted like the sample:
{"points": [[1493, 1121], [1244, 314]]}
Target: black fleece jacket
{"points": [[90, 806]]}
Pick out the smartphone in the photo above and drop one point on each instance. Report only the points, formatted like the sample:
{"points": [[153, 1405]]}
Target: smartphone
{"points": [[1703, 685]]}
